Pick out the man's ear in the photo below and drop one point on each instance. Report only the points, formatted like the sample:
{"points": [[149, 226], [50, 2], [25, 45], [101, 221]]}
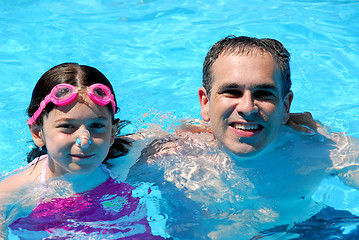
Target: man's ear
{"points": [[114, 129], [286, 110], [37, 135], [204, 102]]}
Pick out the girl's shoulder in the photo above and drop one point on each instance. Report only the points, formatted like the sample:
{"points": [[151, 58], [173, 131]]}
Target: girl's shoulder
{"points": [[20, 178]]}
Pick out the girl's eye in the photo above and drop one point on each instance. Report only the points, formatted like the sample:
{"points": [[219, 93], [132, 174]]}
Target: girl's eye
{"points": [[66, 128], [97, 125]]}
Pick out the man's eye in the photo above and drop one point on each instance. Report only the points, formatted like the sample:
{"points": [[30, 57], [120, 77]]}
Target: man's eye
{"points": [[233, 93], [263, 94]]}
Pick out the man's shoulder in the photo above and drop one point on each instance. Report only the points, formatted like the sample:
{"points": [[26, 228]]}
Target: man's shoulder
{"points": [[335, 150], [292, 138], [304, 150]]}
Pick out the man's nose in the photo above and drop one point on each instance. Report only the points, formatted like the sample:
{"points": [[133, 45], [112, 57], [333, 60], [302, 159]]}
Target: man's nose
{"points": [[246, 104]]}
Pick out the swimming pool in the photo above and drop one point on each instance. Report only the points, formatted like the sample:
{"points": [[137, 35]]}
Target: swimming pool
{"points": [[152, 51]]}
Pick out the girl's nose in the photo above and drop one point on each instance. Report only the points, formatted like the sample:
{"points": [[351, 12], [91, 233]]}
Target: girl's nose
{"points": [[84, 140]]}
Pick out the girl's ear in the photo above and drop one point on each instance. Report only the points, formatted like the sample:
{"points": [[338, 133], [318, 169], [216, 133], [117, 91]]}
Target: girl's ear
{"points": [[37, 135], [114, 130]]}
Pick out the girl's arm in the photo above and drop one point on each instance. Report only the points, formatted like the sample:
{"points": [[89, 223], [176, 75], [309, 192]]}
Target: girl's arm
{"points": [[3, 227], [7, 188], [11, 189], [16, 181]]}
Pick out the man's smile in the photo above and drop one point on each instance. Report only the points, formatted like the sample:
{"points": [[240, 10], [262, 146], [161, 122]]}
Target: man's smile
{"points": [[246, 129]]}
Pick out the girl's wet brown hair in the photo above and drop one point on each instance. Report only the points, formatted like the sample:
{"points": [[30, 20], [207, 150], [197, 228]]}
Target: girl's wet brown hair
{"points": [[78, 76]]}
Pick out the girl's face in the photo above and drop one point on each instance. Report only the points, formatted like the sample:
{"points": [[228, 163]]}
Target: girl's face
{"points": [[64, 124]]}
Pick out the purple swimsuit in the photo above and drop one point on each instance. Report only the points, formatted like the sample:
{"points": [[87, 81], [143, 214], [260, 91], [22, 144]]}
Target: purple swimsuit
{"points": [[109, 211]]}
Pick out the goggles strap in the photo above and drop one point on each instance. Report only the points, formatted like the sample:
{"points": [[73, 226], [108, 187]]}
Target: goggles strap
{"points": [[66, 100]]}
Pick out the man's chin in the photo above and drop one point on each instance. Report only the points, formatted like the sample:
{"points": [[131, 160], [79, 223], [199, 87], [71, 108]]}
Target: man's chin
{"points": [[244, 155], [244, 152]]}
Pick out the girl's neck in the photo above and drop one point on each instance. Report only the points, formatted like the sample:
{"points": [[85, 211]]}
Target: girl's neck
{"points": [[78, 182], [85, 182]]}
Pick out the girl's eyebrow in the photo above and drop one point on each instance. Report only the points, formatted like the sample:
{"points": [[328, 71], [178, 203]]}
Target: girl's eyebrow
{"points": [[65, 119]]}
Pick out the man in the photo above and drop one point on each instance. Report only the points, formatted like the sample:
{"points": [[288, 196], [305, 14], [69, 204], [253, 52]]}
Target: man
{"points": [[245, 171], [246, 93]]}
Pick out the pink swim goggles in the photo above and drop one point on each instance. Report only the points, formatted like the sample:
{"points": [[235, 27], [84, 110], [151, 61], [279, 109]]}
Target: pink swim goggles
{"points": [[63, 94]]}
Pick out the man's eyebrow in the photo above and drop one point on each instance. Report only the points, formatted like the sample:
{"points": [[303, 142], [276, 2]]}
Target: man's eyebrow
{"points": [[263, 86], [230, 86]]}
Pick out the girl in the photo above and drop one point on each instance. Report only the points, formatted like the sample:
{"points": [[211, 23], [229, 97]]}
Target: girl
{"points": [[73, 126]]}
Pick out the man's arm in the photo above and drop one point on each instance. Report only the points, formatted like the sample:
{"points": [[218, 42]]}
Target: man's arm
{"points": [[345, 153], [345, 159]]}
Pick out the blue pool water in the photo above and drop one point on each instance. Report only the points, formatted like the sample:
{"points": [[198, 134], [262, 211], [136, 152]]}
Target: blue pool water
{"points": [[152, 51]]}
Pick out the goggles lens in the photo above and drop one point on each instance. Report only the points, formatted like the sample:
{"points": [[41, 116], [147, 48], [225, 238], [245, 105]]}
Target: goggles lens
{"points": [[101, 94], [63, 94]]}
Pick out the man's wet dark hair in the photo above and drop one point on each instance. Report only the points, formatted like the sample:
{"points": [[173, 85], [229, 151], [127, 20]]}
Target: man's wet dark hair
{"points": [[243, 46]]}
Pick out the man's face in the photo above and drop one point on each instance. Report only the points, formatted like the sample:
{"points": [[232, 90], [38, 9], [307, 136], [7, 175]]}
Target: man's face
{"points": [[245, 107]]}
